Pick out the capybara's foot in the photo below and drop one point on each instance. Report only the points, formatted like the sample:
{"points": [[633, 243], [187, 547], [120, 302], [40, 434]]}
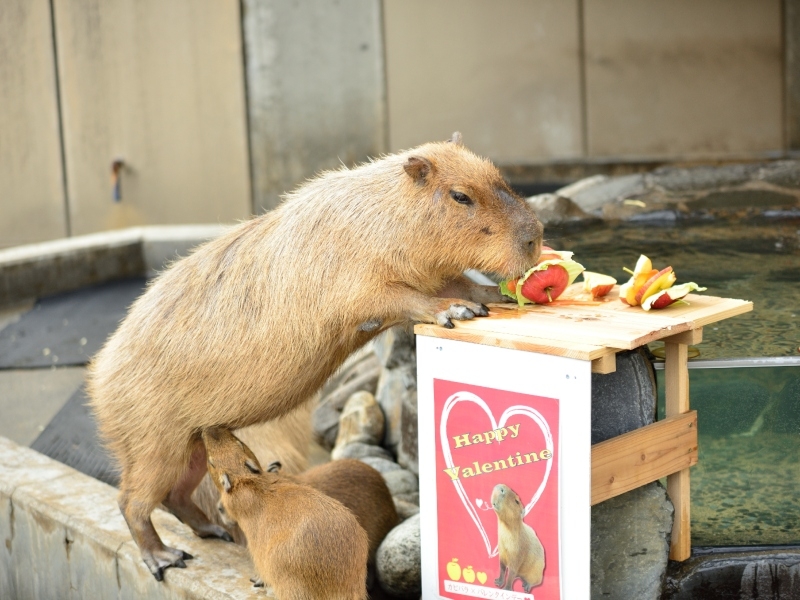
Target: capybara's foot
{"points": [[210, 530], [257, 581], [460, 310], [499, 582], [158, 560]]}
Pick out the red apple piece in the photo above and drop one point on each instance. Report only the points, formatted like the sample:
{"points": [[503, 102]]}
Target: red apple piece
{"points": [[660, 281], [669, 296], [597, 283], [542, 287]]}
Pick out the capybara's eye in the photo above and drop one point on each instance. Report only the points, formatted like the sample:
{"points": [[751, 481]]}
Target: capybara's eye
{"points": [[460, 198]]}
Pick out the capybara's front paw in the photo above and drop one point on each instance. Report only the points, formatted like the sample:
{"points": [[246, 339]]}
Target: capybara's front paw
{"points": [[158, 560], [211, 530], [499, 582], [460, 310], [257, 581]]}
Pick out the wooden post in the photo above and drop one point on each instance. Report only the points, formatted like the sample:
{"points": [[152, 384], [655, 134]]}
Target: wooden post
{"points": [[676, 388]]}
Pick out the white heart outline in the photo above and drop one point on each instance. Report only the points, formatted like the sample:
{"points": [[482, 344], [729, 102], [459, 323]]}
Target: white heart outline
{"points": [[519, 409]]}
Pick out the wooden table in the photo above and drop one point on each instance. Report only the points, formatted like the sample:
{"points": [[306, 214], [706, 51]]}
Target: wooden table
{"points": [[577, 327]]}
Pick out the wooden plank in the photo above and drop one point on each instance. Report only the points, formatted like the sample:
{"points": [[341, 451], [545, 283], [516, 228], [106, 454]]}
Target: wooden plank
{"points": [[32, 202], [678, 489], [676, 378], [605, 364], [638, 457], [516, 342], [676, 391], [691, 337], [159, 85]]}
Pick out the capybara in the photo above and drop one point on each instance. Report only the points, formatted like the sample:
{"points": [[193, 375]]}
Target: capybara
{"points": [[304, 544], [286, 439], [521, 552], [360, 488], [252, 323]]}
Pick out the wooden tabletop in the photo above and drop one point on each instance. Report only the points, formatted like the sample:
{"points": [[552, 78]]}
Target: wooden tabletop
{"points": [[577, 326]]}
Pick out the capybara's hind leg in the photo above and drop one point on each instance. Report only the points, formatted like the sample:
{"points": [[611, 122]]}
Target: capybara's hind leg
{"points": [[180, 503], [155, 554], [502, 579]]}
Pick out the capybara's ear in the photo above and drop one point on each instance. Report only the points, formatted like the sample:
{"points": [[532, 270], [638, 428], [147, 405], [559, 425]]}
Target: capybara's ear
{"points": [[226, 483], [252, 467], [456, 139], [274, 467], [418, 168]]}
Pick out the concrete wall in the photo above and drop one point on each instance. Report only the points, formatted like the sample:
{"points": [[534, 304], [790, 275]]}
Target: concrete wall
{"points": [[62, 537]]}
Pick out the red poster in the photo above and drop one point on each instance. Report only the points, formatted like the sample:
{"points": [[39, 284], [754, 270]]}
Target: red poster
{"points": [[497, 493]]}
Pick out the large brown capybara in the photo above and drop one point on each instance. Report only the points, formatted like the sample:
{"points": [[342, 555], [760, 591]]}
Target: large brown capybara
{"points": [[521, 552], [304, 544], [252, 323]]}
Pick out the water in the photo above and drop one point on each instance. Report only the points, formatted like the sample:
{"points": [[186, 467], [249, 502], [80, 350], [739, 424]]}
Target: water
{"points": [[746, 484], [753, 260]]}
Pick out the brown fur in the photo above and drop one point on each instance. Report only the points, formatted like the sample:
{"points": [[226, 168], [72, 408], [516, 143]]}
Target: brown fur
{"points": [[252, 323], [521, 552], [361, 489], [304, 544]]}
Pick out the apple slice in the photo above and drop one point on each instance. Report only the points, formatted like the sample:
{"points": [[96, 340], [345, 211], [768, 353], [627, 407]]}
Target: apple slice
{"points": [[662, 280], [544, 286], [597, 283], [670, 295], [628, 292]]}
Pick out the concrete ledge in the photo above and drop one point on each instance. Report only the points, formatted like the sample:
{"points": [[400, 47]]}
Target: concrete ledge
{"points": [[63, 537], [36, 270]]}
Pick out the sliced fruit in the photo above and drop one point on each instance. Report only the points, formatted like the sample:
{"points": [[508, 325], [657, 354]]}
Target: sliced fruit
{"points": [[670, 295], [598, 284], [628, 292], [660, 281], [544, 286]]}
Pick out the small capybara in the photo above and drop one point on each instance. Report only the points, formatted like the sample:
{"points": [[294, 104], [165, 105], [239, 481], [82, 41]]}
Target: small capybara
{"points": [[360, 488], [521, 552], [304, 544], [253, 323]]}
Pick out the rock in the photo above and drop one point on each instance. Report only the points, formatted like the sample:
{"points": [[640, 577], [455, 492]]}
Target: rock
{"points": [[361, 421], [625, 399], [405, 509], [630, 544], [395, 347], [743, 575], [694, 179], [783, 173], [355, 376], [394, 386], [401, 482], [359, 450], [408, 448], [553, 209], [591, 198], [398, 563], [381, 465], [412, 498]]}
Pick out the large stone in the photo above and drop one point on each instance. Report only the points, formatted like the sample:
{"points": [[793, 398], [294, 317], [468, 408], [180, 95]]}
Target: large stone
{"points": [[398, 562], [359, 450], [630, 544], [694, 179], [360, 373], [553, 209], [381, 465], [361, 421], [591, 198], [394, 386], [625, 399], [743, 575], [408, 446], [405, 509], [401, 482], [395, 347]]}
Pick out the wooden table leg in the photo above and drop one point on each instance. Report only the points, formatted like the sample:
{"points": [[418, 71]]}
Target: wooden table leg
{"points": [[676, 387]]}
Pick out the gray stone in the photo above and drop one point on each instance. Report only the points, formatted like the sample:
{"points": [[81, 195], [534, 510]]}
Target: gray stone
{"points": [[694, 179], [395, 347], [398, 562], [405, 509], [783, 173], [393, 386], [743, 575], [381, 465], [361, 421], [408, 447], [412, 498], [401, 482], [359, 450], [593, 197], [625, 399], [360, 373], [630, 544], [553, 209]]}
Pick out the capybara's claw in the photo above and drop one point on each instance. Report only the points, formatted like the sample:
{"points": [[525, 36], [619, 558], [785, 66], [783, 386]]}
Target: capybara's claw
{"points": [[483, 311], [211, 530], [257, 581], [159, 560]]}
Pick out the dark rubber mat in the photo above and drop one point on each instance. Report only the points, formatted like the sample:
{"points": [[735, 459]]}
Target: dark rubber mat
{"points": [[71, 438], [67, 329]]}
